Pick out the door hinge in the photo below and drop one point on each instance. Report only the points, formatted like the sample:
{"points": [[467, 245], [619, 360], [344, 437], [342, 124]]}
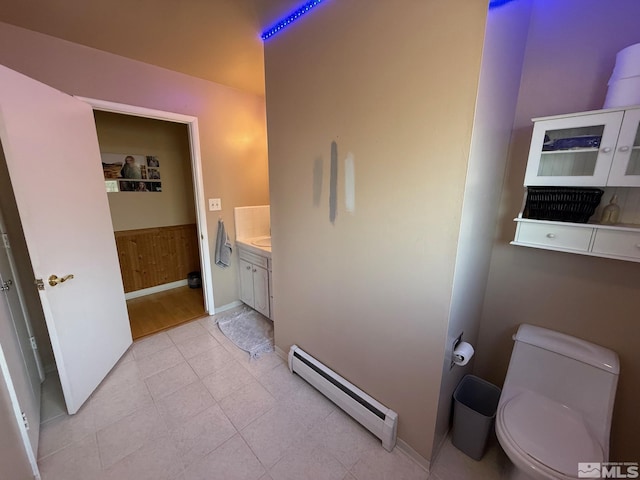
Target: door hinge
{"points": [[39, 283], [5, 240], [34, 345], [4, 286], [25, 421]]}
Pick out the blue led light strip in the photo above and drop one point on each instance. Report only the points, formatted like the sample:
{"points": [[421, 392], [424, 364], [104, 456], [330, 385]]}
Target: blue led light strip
{"points": [[498, 3], [289, 19]]}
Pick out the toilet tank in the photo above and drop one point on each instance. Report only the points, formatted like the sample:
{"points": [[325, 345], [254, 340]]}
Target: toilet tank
{"points": [[576, 373]]}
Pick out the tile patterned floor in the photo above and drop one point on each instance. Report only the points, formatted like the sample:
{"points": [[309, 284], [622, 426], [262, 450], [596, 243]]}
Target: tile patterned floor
{"points": [[187, 404]]}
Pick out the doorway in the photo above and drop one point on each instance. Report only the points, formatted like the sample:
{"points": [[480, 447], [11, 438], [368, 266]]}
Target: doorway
{"points": [[155, 225], [196, 171], [53, 158]]}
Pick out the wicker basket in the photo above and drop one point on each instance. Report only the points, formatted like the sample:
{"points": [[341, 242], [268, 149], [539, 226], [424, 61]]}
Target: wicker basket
{"points": [[562, 204]]}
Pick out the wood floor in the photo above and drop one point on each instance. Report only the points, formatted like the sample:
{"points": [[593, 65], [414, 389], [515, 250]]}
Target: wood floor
{"points": [[159, 311]]}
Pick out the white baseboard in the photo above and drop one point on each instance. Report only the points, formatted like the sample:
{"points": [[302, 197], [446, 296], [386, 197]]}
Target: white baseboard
{"points": [[281, 353], [412, 454], [228, 306], [156, 289]]}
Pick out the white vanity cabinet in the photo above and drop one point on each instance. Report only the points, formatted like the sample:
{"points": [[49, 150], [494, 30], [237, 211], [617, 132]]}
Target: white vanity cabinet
{"points": [[592, 149], [600, 148], [254, 281]]}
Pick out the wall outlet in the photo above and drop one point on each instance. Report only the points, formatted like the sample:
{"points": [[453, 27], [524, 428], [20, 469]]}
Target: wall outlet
{"points": [[215, 204]]}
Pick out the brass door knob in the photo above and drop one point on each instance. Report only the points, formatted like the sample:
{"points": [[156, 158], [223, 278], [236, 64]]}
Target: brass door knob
{"points": [[55, 280]]}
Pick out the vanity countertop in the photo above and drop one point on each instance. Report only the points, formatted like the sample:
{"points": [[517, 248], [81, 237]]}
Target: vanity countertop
{"points": [[250, 245]]}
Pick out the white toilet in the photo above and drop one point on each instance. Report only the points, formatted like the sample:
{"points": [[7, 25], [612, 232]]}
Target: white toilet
{"points": [[556, 404]]}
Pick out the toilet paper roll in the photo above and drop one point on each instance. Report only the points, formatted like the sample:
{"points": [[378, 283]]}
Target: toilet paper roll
{"points": [[462, 353]]}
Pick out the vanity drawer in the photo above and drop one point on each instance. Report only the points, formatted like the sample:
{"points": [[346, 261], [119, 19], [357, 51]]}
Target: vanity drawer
{"points": [[558, 236], [251, 257], [619, 243]]}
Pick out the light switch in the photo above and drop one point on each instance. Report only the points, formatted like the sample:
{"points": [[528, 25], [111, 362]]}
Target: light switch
{"points": [[215, 204]]}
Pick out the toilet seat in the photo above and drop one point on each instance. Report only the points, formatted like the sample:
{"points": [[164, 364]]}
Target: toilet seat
{"points": [[552, 434]]}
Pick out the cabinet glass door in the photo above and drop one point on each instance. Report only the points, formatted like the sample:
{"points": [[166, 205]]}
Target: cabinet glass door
{"points": [[570, 152], [625, 170], [573, 150]]}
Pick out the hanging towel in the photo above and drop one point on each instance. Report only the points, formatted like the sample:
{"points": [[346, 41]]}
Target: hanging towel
{"points": [[223, 247]]}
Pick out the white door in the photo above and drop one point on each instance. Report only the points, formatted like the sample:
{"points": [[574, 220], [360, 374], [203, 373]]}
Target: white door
{"points": [[554, 158], [30, 394], [17, 350], [625, 171], [261, 290], [51, 149]]}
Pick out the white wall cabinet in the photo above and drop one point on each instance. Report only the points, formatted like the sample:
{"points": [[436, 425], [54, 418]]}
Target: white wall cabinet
{"points": [[599, 148], [591, 149], [254, 281]]}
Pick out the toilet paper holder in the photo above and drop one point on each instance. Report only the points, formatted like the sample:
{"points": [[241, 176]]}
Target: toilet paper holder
{"points": [[455, 343], [461, 352]]}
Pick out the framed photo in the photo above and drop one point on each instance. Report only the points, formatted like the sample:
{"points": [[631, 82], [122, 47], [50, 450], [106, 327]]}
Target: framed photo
{"points": [[131, 173]]}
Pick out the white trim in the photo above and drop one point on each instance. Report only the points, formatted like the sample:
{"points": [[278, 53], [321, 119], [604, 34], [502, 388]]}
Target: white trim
{"points": [[135, 110], [201, 216], [198, 185], [413, 455], [155, 289]]}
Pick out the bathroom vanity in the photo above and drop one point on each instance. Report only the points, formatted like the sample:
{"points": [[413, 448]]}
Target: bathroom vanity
{"points": [[255, 273], [253, 239]]}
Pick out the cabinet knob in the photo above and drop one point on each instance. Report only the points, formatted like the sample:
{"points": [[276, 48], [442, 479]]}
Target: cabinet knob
{"points": [[606, 149], [248, 267], [551, 235], [255, 270], [624, 149]]}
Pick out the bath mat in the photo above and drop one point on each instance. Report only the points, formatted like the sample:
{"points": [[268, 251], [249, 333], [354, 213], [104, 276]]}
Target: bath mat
{"points": [[248, 330]]}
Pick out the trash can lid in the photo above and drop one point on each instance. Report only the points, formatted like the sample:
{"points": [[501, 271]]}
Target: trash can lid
{"points": [[550, 432]]}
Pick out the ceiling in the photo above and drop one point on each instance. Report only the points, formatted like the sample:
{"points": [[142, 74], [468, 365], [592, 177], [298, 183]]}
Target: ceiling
{"points": [[217, 40]]}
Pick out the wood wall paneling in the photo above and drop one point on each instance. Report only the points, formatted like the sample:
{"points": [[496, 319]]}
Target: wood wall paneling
{"points": [[155, 256]]}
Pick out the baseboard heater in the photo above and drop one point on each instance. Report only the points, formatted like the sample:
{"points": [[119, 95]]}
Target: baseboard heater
{"points": [[374, 416]]}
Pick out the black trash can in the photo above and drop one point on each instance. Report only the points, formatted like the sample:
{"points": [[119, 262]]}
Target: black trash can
{"points": [[194, 280], [475, 402]]}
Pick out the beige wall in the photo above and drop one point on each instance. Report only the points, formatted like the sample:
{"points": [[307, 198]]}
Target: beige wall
{"points": [[369, 295], [232, 123], [502, 57], [167, 141], [566, 69]]}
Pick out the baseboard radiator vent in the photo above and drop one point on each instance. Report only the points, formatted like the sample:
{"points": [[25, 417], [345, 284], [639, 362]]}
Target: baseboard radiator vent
{"points": [[374, 416]]}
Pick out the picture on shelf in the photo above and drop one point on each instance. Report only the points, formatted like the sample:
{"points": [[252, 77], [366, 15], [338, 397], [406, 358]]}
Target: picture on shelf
{"points": [[131, 173]]}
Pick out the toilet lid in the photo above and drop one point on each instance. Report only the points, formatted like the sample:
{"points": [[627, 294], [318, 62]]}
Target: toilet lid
{"points": [[551, 433]]}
